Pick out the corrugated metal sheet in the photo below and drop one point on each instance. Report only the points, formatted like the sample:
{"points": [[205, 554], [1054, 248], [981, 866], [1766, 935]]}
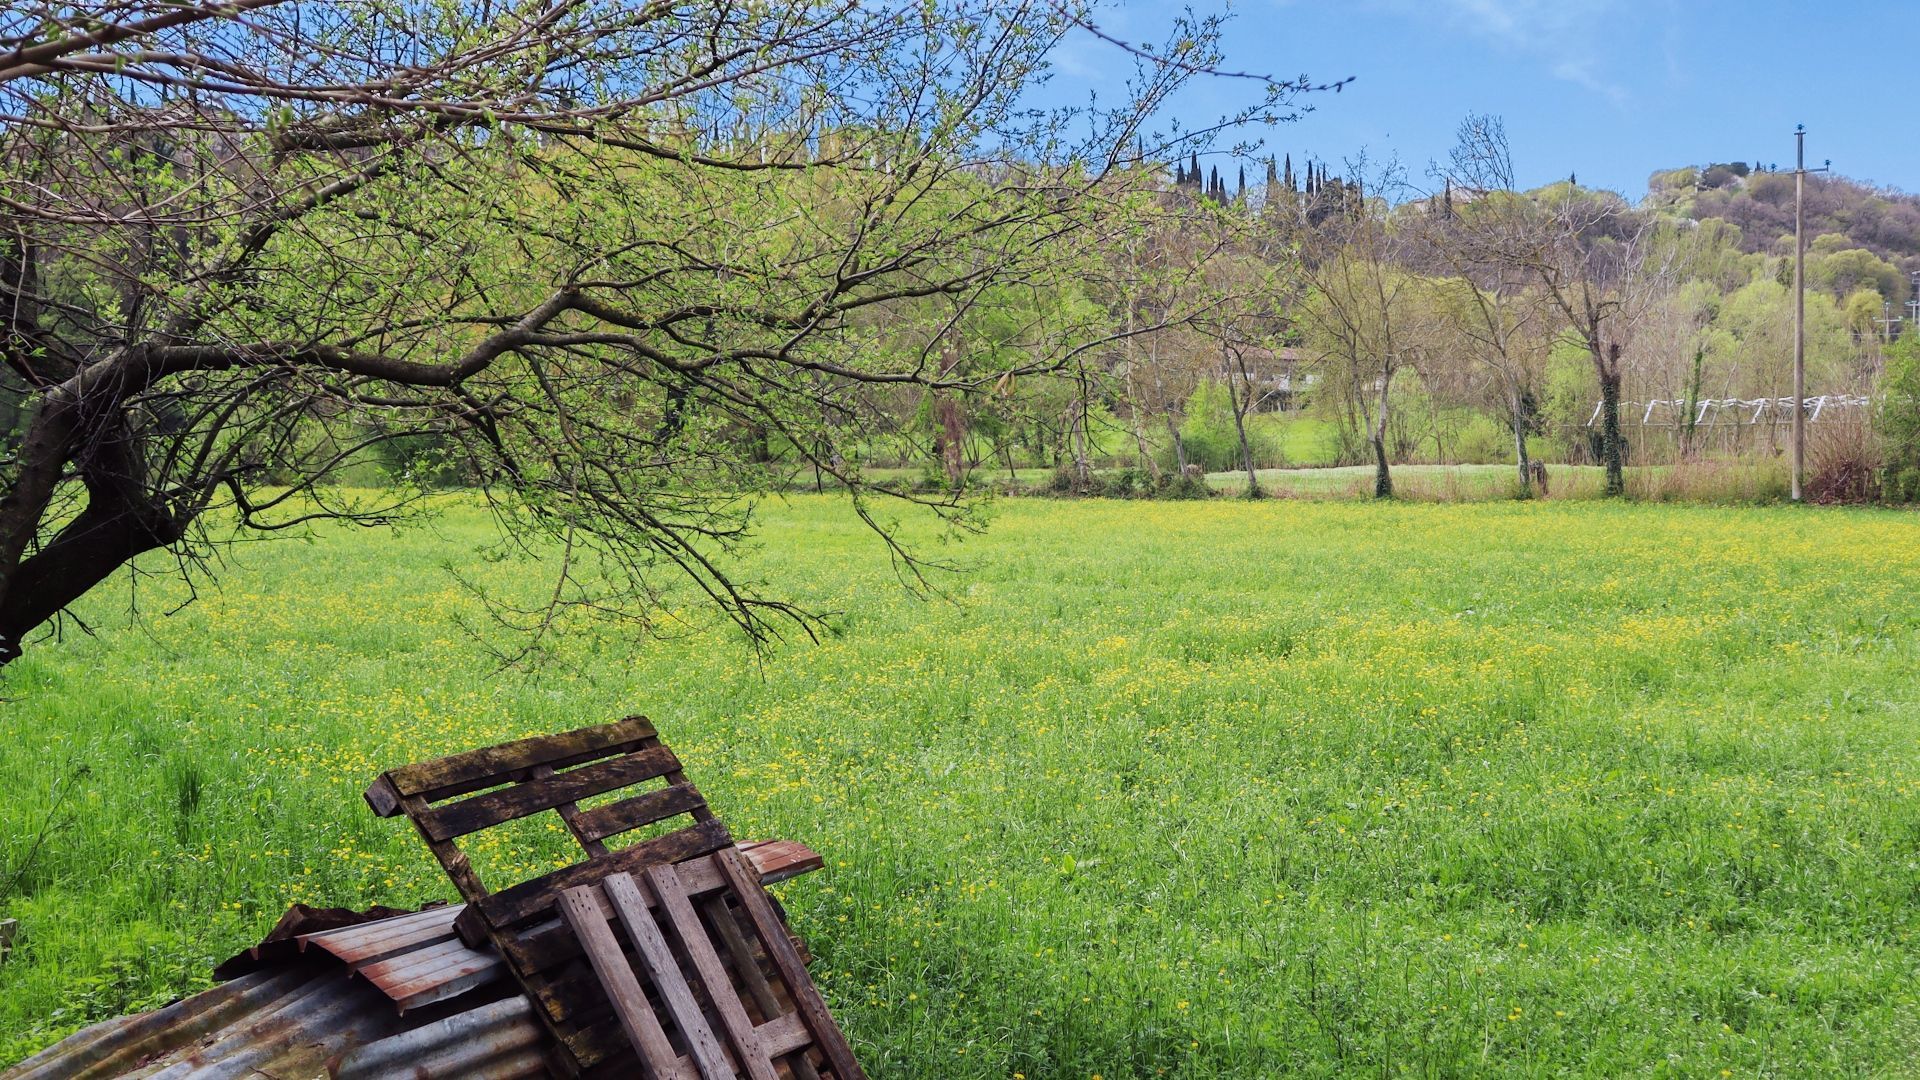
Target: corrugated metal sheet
{"points": [[414, 960], [501, 1041], [285, 1022], [310, 999], [395, 998]]}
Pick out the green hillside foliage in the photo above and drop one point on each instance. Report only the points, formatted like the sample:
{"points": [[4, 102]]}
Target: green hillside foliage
{"points": [[1858, 234]]}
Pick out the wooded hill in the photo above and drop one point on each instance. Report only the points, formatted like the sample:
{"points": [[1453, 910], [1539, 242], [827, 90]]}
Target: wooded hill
{"points": [[1876, 229]]}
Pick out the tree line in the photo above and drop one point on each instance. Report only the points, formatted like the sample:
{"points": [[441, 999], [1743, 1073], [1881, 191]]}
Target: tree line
{"points": [[620, 268], [612, 264]]}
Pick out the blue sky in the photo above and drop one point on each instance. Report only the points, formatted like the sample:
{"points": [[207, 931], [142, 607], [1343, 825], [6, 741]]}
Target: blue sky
{"points": [[1608, 89]]}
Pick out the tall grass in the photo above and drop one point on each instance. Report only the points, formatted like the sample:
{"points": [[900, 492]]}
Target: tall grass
{"points": [[1203, 790]]}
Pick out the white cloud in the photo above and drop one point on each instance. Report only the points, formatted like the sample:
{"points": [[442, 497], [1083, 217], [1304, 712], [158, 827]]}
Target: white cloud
{"points": [[1581, 73], [1562, 33]]}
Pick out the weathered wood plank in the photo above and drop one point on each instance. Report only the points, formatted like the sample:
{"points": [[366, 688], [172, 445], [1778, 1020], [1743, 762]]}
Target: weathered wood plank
{"points": [[786, 960], [778, 860], [594, 1046], [746, 959], [661, 967], [451, 858], [570, 814], [771, 1001], [678, 909], [547, 944], [583, 914], [533, 796], [632, 813], [383, 797], [529, 898], [436, 779]]}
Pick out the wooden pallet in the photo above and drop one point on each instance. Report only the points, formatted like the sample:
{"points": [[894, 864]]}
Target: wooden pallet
{"points": [[690, 1013], [532, 923]]}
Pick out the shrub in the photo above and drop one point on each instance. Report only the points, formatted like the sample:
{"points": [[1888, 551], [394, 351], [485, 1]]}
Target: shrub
{"points": [[1175, 485], [1127, 483], [1211, 439], [1208, 433], [1899, 421], [1843, 464], [1483, 442]]}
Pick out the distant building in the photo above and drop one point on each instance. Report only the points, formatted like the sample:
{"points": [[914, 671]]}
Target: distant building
{"points": [[1275, 376]]}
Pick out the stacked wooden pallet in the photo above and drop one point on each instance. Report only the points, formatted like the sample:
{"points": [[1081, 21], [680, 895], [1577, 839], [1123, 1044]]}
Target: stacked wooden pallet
{"points": [[666, 953]]}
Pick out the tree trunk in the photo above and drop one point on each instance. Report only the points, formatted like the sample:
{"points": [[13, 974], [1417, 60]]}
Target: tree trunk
{"points": [[1077, 423], [1612, 452], [1235, 399], [1520, 418], [118, 523], [952, 432], [1136, 414], [1382, 475], [99, 540], [1179, 447], [1141, 450]]}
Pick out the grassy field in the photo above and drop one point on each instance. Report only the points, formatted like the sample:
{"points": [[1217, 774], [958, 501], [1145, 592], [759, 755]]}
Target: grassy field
{"points": [[1442, 483], [1712, 481], [1200, 790]]}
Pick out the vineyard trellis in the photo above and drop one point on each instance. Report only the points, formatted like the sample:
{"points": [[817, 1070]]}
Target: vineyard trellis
{"points": [[1733, 423]]}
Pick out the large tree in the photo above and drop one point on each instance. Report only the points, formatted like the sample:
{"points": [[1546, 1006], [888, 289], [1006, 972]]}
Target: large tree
{"points": [[1586, 251], [1363, 315], [603, 257]]}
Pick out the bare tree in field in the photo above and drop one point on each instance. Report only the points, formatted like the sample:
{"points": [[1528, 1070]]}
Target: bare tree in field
{"points": [[1494, 318], [1585, 251], [602, 257], [1360, 312]]}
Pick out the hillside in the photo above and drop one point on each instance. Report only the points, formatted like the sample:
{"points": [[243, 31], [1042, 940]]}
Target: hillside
{"points": [[1843, 216]]}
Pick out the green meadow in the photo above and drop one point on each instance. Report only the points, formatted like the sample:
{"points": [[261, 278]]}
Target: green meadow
{"points": [[1209, 789]]}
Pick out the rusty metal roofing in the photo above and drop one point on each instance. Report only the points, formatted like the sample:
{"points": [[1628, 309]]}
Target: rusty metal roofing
{"points": [[280, 1022], [499, 1041], [414, 960], [303, 1000], [299, 1021], [380, 999]]}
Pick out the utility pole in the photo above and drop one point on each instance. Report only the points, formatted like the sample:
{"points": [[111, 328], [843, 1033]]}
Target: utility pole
{"points": [[1800, 305], [1887, 321], [1913, 304]]}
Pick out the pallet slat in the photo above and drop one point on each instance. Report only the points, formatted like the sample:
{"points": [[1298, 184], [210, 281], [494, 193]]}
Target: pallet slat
{"points": [[617, 977], [640, 810], [786, 960], [664, 971], [477, 812], [443, 777], [678, 909]]}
